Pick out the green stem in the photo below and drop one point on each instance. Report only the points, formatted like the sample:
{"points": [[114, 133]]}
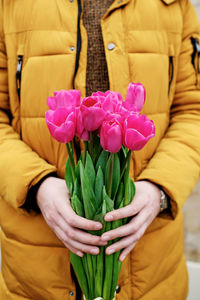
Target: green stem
{"points": [[110, 174], [126, 179], [71, 160], [91, 144], [127, 163], [85, 152]]}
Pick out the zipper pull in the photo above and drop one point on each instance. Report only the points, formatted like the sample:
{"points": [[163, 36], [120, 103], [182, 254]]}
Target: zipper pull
{"points": [[18, 74]]}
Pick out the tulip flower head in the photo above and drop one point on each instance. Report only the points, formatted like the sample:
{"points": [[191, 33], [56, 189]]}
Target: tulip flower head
{"points": [[135, 97], [68, 99], [138, 129], [61, 124], [111, 136], [92, 113]]}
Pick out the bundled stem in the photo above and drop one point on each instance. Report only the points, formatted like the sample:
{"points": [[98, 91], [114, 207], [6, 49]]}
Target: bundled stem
{"points": [[71, 160], [110, 174]]}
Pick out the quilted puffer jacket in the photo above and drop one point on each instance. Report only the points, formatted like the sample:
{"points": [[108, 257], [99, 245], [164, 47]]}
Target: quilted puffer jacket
{"points": [[43, 47]]}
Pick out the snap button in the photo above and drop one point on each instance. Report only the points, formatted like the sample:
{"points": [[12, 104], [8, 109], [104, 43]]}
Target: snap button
{"points": [[120, 1], [71, 1], [111, 46], [118, 289], [71, 293], [72, 48]]}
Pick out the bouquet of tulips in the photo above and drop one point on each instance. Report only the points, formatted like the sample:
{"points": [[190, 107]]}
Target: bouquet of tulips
{"points": [[98, 180]]}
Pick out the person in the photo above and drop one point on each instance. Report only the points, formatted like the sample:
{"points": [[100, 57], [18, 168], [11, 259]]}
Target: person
{"points": [[96, 45]]}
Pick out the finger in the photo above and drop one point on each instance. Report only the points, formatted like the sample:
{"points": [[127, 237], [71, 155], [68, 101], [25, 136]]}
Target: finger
{"points": [[76, 221], [125, 212], [126, 251], [61, 236], [83, 247], [126, 241], [79, 235], [132, 227]]}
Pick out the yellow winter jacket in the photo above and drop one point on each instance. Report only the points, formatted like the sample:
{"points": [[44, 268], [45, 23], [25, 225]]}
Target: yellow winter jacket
{"points": [[153, 42]]}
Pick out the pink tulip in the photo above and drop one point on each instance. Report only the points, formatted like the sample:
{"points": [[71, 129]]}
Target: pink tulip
{"points": [[61, 124], [81, 132], [111, 136], [112, 102], [67, 99], [101, 94], [135, 97], [138, 129], [92, 113]]}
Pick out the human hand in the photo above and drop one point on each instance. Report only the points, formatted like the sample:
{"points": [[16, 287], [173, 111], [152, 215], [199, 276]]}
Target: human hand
{"points": [[144, 208], [53, 199]]}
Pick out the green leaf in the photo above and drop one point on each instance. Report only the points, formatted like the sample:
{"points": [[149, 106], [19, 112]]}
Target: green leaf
{"points": [[79, 206], [68, 177], [90, 273], [115, 175], [85, 266], [102, 161], [131, 190], [109, 269], [116, 262], [89, 169], [77, 189], [77, 171], [99, 217], [109, 202], [89, 200], [99, 182], [99, 276], [77, 264], [73, 202], [120, 196], [97, 147]]}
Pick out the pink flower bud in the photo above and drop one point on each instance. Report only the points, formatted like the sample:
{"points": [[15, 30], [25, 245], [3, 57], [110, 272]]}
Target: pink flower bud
{"points": [[138, 129], [135, 97], [111, 136]]}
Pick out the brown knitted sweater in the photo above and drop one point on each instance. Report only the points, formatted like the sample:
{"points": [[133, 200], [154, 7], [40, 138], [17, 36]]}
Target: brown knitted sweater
{"points": [[97, 73]]}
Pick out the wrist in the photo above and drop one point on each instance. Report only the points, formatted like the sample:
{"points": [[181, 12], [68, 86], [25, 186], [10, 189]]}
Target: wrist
{"points": [[159, 195]]}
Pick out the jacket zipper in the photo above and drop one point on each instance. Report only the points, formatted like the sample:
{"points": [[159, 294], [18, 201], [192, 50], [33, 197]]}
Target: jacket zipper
{"points": [[171, 72], [18, 74], [196, 56], [78, 44]]}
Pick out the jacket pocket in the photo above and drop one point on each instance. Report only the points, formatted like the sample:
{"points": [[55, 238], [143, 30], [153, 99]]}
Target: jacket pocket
{"points": [[196, 59], [171, 73], [19, 74], [20, 59]]}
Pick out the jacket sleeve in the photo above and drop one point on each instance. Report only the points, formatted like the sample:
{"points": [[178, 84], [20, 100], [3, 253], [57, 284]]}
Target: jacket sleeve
{"points": [[176, 164], [20, 167]]}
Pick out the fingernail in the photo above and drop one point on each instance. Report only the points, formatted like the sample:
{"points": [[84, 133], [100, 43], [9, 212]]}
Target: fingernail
{"points": [[98, 226], [79, 253], [109, 218], [110, 251], [105, 238], [122, 257], [94, 251], [101, 243]]}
